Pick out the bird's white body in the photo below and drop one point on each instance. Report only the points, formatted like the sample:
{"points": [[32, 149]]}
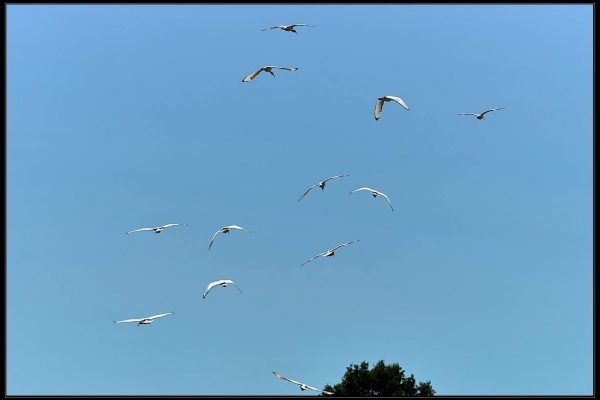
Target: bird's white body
{"points": [[223, 283], [330, 252], [303, 386], [145, 320], [321, 184], [481, 116], [375, 193], [381, 100], [226, 229], [156, 229], [267, 68], [287, 28]]}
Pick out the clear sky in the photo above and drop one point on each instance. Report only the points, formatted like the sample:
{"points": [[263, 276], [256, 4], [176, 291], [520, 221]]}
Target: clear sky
{"points": [[121, 117]]}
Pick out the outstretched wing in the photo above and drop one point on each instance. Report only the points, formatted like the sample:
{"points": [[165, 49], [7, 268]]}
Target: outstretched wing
{"points": [[159, 315], [286, 68], [209, 287], [363, 188], [388, 199], [237, 227], [213, 239], [293, 25], [129, 320], [378, 108], [317, 256], [274, 27], [344, 244], [287, 379], [140, 230], [467, 113], [170, 225], [333, 177], [236, 285], [398, 100], [252, 75], [311, 387], [307, 190], [492, 109]]}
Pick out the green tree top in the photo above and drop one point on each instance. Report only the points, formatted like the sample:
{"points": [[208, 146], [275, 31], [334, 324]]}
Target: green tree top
{"points": [[382, 380]]}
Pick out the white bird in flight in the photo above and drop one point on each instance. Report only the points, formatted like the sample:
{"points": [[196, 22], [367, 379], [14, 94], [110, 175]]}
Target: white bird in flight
{"points": [[288, 28], [225, 229], [381, 100], [267, 68], [156, 229], [222, 282], [303, 386], [375, 193], [144, 321], [321, 184], [481, 115], [330, 252]]}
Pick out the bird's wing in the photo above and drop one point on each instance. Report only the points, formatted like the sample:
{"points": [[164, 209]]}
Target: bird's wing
{"points": [[326, 392], [388, 199], [317, 256], [307, 190], [236, 285], [333, 177], [252, 75], [363, 188], [210, 286], [274, 27], [238, 227], [378, 108], [169, 225], [311, 387], [467, 113], [286, 68], [293, 25], [141, 229], [398, 100], [344, 244], [288, 379], [213, 239], [492, 109], [159, 315], [129, 320]]}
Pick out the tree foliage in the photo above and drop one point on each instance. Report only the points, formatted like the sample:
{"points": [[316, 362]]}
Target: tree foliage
{"points": [[382, 380]]}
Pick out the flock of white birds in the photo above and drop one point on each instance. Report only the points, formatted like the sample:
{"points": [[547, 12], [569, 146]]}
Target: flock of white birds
{"points": [[329, 253]]}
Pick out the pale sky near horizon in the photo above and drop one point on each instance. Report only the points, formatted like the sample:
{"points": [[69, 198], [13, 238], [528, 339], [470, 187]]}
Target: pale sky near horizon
{"points": [[121, 117]]}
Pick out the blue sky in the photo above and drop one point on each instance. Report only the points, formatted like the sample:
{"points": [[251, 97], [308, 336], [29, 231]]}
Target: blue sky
{"points": [[120, 117]]}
